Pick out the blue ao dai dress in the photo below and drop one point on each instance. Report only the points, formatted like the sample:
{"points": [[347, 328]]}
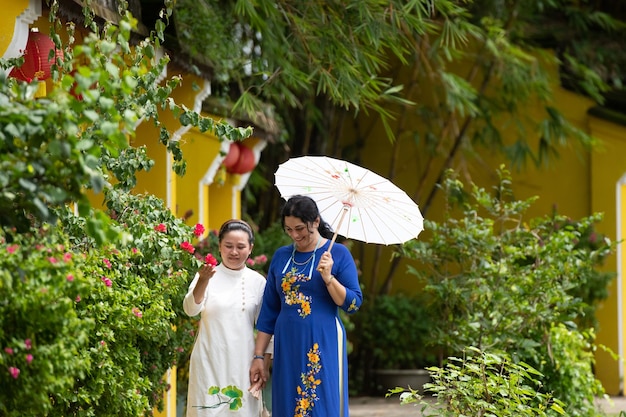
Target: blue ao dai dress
{"points": [[309, 376]]}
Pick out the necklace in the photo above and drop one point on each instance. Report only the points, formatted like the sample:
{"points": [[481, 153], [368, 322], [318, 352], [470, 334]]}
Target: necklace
{"points": [[312, 258], [302, 263]]}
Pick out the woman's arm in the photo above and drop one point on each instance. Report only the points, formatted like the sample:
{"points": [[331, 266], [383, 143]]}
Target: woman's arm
{"points": [[258, 374]]}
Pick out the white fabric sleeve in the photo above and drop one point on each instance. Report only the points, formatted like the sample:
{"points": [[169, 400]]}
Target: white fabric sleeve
{"points": [[189, 303]]}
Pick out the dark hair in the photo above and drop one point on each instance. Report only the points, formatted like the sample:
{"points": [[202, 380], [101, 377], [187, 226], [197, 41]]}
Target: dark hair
{"points": [[236, 224], [305, 209]]}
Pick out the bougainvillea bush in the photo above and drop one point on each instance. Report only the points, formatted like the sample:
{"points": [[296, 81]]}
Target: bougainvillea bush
{"points": [[91, 299], [88, 330]]}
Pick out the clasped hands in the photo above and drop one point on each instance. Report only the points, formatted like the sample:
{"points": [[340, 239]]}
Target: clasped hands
{"points": [[258, 378]]}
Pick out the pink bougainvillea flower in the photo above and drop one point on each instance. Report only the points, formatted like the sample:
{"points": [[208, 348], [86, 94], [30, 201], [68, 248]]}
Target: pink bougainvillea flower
{"points": [[250, 262], [135, 250], [209, 259], [8, 350], [12, 248], [103, 343], [70, 277], [160, 228], [15, 372], [198, 230], [67, 257], [107, 263], [78, 298], [137, 312], [52, 260], [28, 344], [187, 247], [106, 281], [261, 259], [29, 358]]}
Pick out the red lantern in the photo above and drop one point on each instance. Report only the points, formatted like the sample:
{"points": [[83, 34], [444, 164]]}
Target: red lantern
{"points": [[246, 161], [232, 157], [36, 63]]}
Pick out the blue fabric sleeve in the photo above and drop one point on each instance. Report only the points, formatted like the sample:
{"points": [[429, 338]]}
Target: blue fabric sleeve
{"points": [[344, 271], [271, 305]]}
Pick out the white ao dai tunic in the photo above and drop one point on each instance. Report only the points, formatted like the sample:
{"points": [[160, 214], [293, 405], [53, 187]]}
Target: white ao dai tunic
{"points": [[224, 345]]}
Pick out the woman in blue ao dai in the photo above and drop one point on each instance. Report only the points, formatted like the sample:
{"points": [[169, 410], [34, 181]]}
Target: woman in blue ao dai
{"points": [[306, 286]]}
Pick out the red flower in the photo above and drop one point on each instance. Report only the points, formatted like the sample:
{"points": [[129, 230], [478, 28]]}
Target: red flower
{"points": [[210, 260], [137, 312], [160, 228], [198, 230], [188, 247]]}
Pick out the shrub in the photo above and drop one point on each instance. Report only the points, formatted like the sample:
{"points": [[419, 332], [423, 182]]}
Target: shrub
{"points": [[500, 283], [484, 384], [391, 332], [102, 324]]}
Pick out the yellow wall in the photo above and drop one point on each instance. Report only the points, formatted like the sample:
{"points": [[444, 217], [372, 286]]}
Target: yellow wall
{"points": [[200, 151], [608, 165], [10, 12]]}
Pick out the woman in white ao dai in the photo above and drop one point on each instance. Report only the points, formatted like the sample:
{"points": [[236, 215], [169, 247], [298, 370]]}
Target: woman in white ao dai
{"points": [[228, 298]]}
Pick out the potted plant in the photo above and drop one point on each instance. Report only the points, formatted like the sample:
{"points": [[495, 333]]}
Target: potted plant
{"points": [[391, 339]]}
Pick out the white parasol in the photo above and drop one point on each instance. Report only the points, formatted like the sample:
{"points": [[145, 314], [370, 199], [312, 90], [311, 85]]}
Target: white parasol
{"points": [[357, 203]]}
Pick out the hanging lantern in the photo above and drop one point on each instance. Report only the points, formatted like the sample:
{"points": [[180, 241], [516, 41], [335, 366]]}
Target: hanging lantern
{"points": [[246, 161], [232, 157], [36, 58]]}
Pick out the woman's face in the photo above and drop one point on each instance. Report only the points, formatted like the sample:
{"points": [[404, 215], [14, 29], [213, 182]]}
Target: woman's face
{"points": [[303, 235], [235, 248]]}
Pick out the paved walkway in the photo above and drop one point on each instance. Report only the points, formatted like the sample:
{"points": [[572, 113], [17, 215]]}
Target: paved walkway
{"points": [[390, 407]]}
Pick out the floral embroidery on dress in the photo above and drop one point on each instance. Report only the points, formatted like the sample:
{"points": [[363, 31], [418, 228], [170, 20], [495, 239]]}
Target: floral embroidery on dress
{"points": [[230, 395], [353, 306], [291, 289], [307, 392]]}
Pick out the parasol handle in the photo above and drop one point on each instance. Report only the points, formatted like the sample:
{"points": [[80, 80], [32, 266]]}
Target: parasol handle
{"points": [[332, 242]]}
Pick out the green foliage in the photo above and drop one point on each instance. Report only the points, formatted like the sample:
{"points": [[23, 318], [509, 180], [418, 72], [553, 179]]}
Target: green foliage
{"points": [[493, 278], [566, 360], [392, 331], [484, 384], [476, 78], [103, 323], [91, 302], [53, 148], [41, 279], [500, 284]]}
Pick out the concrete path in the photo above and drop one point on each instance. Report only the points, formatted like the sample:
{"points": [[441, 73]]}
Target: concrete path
{"points": [[390, 407]]}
